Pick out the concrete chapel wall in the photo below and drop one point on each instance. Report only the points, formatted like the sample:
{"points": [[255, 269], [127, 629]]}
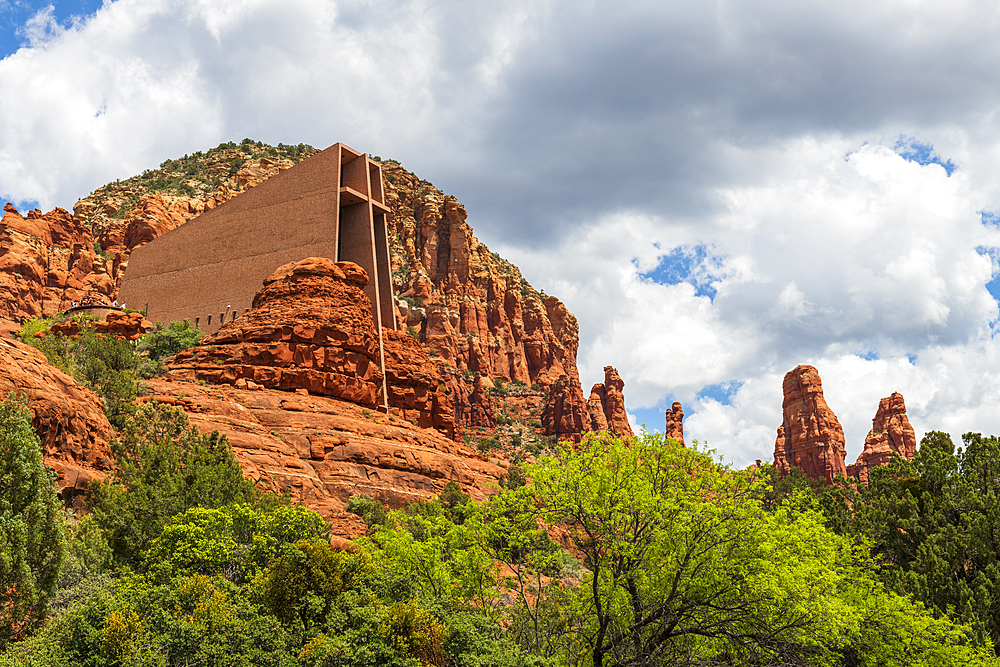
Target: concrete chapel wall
{"points": [[208, 270]]}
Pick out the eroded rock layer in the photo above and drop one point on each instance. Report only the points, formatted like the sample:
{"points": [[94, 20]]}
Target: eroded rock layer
{"points": [[68, 418], [417, 392], [891, 435], [810, 436], [324, 450], [130, 326]]}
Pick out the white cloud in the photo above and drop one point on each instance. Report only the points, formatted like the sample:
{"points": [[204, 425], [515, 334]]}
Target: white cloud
{"points": [[749, 142], [869, 255]]}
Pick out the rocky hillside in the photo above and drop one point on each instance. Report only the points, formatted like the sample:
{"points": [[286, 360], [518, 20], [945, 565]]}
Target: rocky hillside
{"points": [[483, 361], [467, 306]]}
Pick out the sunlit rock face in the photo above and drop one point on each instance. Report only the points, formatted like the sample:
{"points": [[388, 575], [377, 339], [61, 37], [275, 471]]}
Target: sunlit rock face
{"points": [[891, 435], [810, 436]]}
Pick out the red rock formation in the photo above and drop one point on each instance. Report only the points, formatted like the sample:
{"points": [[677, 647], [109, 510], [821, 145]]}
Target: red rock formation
{"points": [[595, 408], [68, 418], [675, 424], [810, 437], [606, 406], [129, 326], [416, 389], [891, 434], [473, 408], [310, 328], [565, 414], [324, 450], [47, 262], [471, 306]]}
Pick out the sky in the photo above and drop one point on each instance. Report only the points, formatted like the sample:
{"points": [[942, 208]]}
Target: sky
{"points": [[720, 191]]}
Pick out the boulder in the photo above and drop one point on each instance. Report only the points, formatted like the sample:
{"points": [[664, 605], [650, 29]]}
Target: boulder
{"points": [[310, 329]]}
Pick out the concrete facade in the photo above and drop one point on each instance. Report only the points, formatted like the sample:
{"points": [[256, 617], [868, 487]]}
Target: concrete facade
{"points": [[208, 270]]}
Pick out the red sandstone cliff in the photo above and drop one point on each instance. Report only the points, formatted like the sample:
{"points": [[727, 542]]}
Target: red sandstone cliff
{"points": [[47, 261], [324, 450], [891, 434], [810, 436], [473, 308], [467, 306], [675, 423], [68, 418]]}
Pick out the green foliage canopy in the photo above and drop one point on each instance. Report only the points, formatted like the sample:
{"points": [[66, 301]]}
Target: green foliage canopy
{"points": [[164, 468], [32, 544]]}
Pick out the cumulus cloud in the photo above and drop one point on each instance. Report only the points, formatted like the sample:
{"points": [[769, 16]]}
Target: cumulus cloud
{"points": [[719, 191], [870, 266]]}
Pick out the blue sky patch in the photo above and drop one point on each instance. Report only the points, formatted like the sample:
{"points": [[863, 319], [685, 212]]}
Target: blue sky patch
{"points": [[15, 14], [868, 354], [722, 392], [909, 148], [912, 358], [690, 264], [989, 218], [993, 286]]}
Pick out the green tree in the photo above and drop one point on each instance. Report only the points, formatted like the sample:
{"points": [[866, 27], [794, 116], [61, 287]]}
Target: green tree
{"points": [[164, 467], [687, 566], [301, 585], [237, 541], [440, 558], [934, 523], [32, 543], [109, 365], [167, 340], [105, 363]]}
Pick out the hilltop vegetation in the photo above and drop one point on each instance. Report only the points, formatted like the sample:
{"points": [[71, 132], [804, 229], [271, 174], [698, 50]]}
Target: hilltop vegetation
{"points": [[197, 175]]}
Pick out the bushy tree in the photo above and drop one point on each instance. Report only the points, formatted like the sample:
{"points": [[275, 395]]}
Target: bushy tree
{"points": [[107, 364], [164, 467], [686, 565], [237, 542], [167, 340], [32, 543], [934, 522]]}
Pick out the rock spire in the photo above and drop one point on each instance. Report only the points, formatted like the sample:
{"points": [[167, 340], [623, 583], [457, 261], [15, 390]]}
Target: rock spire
{"points": [[810, 436], [606, 405], [891, 434], [675, 424]]}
